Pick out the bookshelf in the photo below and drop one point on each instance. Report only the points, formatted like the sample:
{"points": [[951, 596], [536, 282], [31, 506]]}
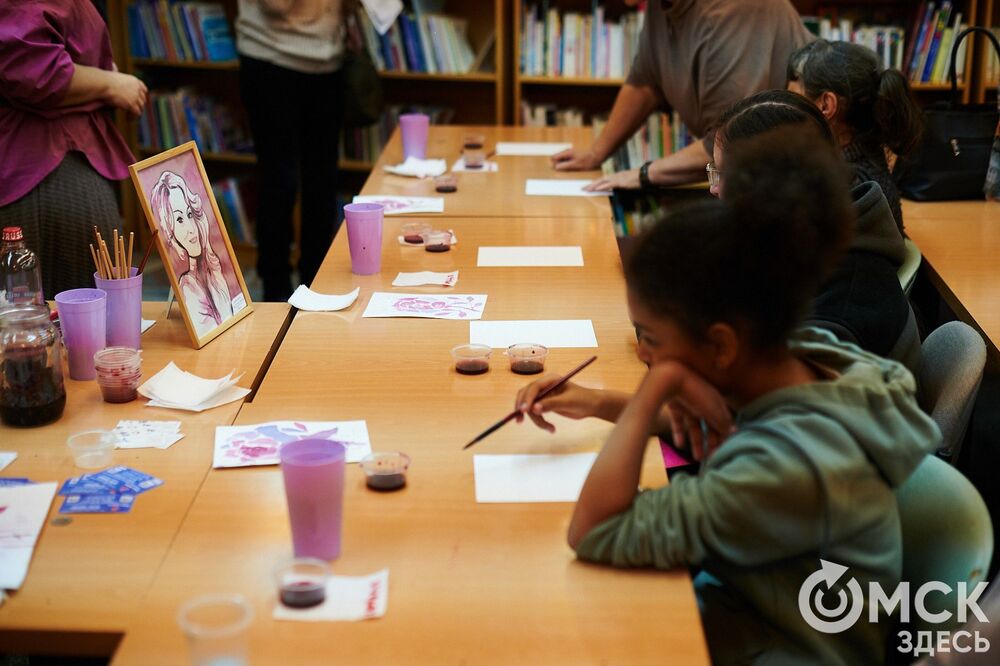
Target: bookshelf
{"points": [[986, 86]]}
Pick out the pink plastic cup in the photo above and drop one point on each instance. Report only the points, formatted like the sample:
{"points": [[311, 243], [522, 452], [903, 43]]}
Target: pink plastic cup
{"points": [[313, 470], [124, 309], [414, 128], [364, 237], [83, 318]]}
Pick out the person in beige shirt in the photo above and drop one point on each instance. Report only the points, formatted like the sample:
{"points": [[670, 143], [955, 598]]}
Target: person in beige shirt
{"points": [[696, 57]]}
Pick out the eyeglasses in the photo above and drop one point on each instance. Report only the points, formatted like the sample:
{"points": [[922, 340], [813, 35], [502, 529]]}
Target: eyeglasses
{"points": [[714, 175]]}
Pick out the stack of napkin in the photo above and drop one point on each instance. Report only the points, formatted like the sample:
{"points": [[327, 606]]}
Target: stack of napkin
{"points": [[174, 388], [419, 168]]}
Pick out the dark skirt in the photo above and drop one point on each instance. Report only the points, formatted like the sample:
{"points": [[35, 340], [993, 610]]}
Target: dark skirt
{"points": [[58, 217]]}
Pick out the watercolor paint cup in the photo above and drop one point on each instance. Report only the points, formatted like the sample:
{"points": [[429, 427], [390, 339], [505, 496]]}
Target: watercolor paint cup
{"points": [[92, 449], [119, 373], [83, 318], [364, 236], [437, 241], [215, 626], [302, 582], [313, 470], [446, 183], [413, 128], [385, 471], [413, 232], [471, 359], [475, 158], [124, 326], [473, 141], [527, 358]]}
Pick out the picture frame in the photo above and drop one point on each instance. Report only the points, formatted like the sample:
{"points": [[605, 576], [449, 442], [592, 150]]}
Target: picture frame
{"points": [[177, 199]]}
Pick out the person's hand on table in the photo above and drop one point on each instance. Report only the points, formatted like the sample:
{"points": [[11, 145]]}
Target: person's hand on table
{"points": [[570, 400], [622, 180], [126, 92], [572, 159]]}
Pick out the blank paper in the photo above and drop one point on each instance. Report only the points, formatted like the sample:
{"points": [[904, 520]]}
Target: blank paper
{"points": [[530, 256], [531, 477], [530, 149], [552, 333], [553, 187]]}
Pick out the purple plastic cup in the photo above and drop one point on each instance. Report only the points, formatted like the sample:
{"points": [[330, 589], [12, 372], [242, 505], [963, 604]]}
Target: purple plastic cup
{"points": [[364, 237], [413, 128], [313, 470], [124, 327], [83, 318]]}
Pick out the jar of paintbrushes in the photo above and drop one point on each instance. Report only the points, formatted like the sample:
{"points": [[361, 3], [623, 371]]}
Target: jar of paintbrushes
{"points": [[122, 281]]}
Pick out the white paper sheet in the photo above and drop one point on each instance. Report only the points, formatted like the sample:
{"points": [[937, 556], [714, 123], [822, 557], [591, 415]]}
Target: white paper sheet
{"points": [[552, 187], [553, 333], [24, 511], [402, 241], [348, 598], [382, 13], [146, 325], [430, 306], [174, 388], [530, 256], [397, 205], [488, 167], [7, 457], [260, 444], [530, 149], [147, 434], [414, 167], [426, 277], [531, 477], [305, 298]]}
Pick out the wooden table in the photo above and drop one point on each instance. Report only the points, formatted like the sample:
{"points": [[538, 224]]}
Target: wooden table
{"points": [[469, 583], [959, 241], [87, 579], [492, 195]]}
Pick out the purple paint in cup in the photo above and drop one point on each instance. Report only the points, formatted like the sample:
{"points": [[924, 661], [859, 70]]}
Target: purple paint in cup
{"points": [[83, 318], [313, 470], [364, 236], [413, 128], [124, 326]]}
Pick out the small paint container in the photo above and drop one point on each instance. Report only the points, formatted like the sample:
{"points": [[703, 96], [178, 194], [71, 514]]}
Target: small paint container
{"points": [[119, 372], [302, 582], [527, 358], [92, 449], [446, 183], [473, 141], [474, 158], [471, 359], [385, 471], [413, 232], [437, 241]]}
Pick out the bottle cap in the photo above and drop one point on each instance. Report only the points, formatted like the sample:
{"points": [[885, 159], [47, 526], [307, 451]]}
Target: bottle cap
{"points": [[12, 234]]}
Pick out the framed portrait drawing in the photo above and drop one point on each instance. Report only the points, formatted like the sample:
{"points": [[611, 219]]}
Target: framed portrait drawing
{"points": [[177, 199]]}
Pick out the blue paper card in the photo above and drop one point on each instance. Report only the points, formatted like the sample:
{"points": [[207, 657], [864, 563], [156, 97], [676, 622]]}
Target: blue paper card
{"points": [[112, 480], [13, 481], [97, 504]]}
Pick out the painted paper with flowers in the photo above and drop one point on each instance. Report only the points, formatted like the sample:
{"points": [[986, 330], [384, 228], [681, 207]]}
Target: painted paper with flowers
{"points": [[428, 306], [252, 445], [194, 245]]}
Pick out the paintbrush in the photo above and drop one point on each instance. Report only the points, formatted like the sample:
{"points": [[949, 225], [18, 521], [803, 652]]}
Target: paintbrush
{"points": [[499, 424], [149, 248]]}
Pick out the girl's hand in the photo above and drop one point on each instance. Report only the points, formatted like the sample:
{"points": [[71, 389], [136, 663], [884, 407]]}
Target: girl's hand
{"points": [[622, 180], [691, 400], [569, 400]]}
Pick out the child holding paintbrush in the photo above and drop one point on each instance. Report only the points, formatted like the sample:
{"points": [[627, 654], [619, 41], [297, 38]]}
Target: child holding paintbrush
{"points": [[823, 431]]}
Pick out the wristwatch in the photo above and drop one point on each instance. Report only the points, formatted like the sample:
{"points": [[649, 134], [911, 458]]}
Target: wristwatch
{"points": [[644, 181]]}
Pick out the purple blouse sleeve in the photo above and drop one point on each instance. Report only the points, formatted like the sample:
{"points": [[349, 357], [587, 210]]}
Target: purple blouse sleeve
{"points": [[35, 68]]}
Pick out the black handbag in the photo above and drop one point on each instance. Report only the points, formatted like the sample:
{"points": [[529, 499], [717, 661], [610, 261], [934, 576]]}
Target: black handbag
{"points": [[362, 89], [952, 158]]}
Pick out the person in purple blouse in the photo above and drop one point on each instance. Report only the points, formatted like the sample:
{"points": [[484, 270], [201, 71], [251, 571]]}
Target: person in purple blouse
{"points": [[59, 148]]}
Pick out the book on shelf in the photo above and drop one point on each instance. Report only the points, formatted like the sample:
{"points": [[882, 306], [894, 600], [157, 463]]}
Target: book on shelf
{"points": [[174, 117], [550, 115], [577, 45], [662, 134], [419, 42], [991, 67], [364, 144], [230, 195], [634, 213], [180, 31]]}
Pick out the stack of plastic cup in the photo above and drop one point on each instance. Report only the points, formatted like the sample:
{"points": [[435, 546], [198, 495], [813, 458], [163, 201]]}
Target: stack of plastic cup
{"points": [[119, 371]]}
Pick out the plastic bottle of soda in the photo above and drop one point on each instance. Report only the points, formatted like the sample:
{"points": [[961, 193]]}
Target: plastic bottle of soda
{"points": [[20, 271]]}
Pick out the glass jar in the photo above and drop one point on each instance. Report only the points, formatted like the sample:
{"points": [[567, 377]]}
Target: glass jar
{"points": [[31, 379]]}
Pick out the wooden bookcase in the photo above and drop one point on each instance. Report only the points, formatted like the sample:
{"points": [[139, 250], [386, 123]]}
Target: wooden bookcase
{"points": [[986, 90]]}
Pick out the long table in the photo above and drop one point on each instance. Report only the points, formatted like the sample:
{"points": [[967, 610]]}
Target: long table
{"points": [[959, 242], [469, 583], [87, 578], [497, 194]]}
